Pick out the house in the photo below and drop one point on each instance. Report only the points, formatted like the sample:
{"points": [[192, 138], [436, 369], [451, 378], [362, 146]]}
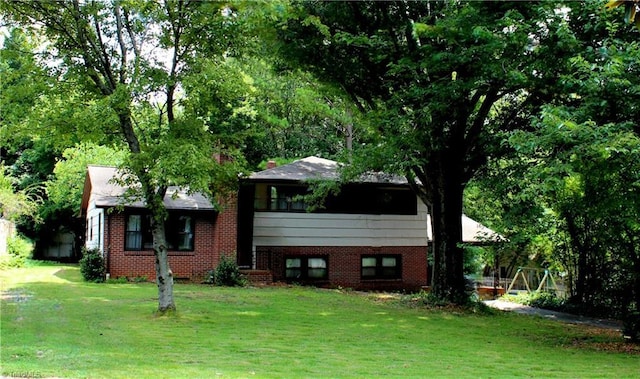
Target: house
{"points": [[372, 235], [196, 232]]}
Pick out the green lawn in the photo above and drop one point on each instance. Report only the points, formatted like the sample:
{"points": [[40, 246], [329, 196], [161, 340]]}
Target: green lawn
{"points": [[53, 324]]}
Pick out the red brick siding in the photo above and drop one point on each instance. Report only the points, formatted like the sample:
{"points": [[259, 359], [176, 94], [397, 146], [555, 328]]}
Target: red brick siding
{"points": [[225, 235], [344, 265], [258, 277], [214, 234]]}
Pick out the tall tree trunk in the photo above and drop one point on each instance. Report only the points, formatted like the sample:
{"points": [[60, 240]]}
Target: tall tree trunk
{"points": [[581, 250], [154, 198], [446, 225], [164, 276]]}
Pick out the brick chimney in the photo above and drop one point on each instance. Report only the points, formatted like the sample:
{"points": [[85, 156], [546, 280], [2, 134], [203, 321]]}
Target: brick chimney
{"points": [[271, 164]]}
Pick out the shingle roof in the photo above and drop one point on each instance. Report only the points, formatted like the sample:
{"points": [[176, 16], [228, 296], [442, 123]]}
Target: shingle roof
{"points": [[106, 193], [314, 168]]}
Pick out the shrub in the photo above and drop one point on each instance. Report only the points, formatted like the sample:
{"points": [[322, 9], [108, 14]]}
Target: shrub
{"points": [[118, 280], [92, 266], [226, 274], [19, 249], [546, 300], [543, 299], [431, 300]]}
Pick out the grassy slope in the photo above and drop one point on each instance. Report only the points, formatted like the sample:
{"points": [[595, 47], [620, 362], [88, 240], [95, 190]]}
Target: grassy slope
{"points": [[54, 324]]}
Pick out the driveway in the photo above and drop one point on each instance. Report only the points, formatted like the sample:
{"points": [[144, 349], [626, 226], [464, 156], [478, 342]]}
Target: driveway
{"points": [[553, 315]]}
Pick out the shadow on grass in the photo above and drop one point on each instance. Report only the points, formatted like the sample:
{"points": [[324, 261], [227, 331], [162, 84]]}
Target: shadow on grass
{"points": [[69, 275]]}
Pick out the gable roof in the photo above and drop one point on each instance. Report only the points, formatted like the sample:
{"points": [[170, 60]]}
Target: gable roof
{"points": [[100, 187], [303, 169], [314, 168]]}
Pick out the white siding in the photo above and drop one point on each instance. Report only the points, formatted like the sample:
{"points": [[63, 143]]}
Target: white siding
{"points": [[319, 229], [94, 227]]}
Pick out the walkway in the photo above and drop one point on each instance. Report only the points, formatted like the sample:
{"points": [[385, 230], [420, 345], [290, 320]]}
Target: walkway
{"points": [[553, 315]]}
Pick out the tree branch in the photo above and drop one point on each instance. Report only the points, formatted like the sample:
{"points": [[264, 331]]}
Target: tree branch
{"points": [[121, 42]]}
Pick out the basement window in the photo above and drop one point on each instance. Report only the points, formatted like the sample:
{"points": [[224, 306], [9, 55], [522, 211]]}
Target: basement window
{"points": [[306, 268], [381, 267]]}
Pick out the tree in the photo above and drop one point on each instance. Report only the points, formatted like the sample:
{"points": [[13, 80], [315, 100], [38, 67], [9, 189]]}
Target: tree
{"points": [[442, 82], [22, 79], [267, 112], [571, 177], [297, 115], [14, 204], [23, 82], [61, 206], [130, 58], [506, 201], [40, 118], [584, 155]]}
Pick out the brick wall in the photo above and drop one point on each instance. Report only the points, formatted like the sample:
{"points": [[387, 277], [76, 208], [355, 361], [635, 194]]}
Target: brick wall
{"points": [[225, 235], [344, 265], [216, 235], [212, 237]]}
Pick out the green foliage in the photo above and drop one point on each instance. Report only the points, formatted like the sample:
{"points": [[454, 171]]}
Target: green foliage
{"points": [[265, 111], [15, 204], [473, 262], [19, 250], [279, 162], [568, 192], [437, 82], [65, 188], [118, 280], [92, 266], [541, 299], [433, 301], [119, 68], [22, 78], [546, 300], [226, 274]]}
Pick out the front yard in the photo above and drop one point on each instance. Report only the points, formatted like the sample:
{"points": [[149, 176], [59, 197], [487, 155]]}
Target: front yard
{"points": [[53, 324]]}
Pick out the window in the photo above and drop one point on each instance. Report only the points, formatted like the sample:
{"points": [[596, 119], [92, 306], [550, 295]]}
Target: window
{"points": [[351, 199], [133, 233], [306, 268], [371, 199], [287, 198], [381, 267], [179, 232]]}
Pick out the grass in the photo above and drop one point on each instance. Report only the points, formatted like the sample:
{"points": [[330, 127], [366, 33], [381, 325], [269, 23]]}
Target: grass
{"points": [[53, 324]]}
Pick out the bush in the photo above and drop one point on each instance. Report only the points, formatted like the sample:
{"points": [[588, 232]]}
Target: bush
{"points": [[92, 266], [118, 280], [546, 300], [543, 299], [19, 249], [226, 274]]}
